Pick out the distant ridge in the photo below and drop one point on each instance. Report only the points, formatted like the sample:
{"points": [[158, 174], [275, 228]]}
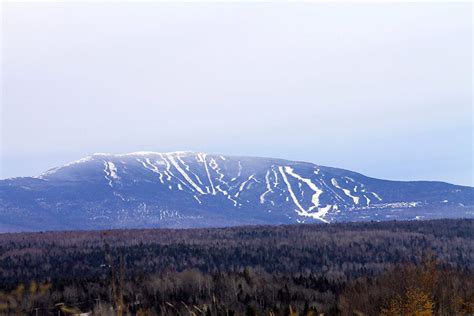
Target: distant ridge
{"points": [[196, 189]]}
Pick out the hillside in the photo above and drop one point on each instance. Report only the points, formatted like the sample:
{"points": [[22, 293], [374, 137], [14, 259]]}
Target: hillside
{"points": [[194, 189]]}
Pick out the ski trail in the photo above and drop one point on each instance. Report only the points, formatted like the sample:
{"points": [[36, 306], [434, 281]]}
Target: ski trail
{"points": [[202, 156], [107, 174], [368, 200], [197, 199], [269, 188], [376, 196], [239, 172], [111, 172], [182, 162], [185, 175], [347, 192], [338, 197], [302, 211], [226, 194], [215, 166], [318, 191], [168, 167], [242, 185], [147, 164], [275, 183]]}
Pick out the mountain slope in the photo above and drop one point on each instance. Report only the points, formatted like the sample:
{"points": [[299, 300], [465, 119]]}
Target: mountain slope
{"points": [[188, 189]]}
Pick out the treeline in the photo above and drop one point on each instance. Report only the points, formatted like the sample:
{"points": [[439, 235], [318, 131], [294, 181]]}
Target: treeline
{"points": [[391, 268]]}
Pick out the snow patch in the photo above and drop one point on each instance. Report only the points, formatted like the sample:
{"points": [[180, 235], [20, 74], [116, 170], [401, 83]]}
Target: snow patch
{"points": [[110, 172], [376, 196]]}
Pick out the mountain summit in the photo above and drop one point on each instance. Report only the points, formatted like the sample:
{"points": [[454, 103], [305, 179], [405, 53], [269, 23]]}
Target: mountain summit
{"points": [[195, 189]]}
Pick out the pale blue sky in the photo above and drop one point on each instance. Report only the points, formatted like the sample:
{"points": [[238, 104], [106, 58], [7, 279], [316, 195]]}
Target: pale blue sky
{"points": [[382, 89]]}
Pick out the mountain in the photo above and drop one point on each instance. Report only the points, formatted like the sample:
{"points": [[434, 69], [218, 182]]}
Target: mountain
{"points": [[194, 189]]}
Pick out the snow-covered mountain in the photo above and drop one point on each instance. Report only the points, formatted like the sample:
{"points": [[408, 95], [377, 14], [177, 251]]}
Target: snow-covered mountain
{"points": [[195, 189]]}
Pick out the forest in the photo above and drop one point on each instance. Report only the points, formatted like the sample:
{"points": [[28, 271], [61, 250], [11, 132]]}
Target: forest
{"points": [[373, 268]]}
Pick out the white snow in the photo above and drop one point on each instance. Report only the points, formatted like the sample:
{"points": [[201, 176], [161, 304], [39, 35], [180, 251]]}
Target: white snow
{"points": [[111, 172], [269, 188], [202, 158], [185, 175], [275, 183], [301, 211], [346, 191], [218, 188], [182, 162], [197, 199], [238, 172], [242, 185], [145, 153], [213, 163], [330, 188], [314, 187], [368, 200], [215, 166], [354, 198], [322, 211], [168, 167], [150, 166], [226, 194], [392, 205], [54, 170], [376, 196]]}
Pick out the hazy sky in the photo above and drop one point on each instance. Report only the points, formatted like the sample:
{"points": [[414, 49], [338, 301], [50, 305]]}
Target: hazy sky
{"points": [[382, 89]]}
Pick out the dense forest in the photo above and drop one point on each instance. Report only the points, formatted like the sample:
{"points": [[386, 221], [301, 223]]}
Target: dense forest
{"points": [[386, 268]]}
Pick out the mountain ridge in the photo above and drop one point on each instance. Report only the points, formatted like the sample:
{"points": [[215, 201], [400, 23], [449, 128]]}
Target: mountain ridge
{"points": [[197, 189], [98, 154]]}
